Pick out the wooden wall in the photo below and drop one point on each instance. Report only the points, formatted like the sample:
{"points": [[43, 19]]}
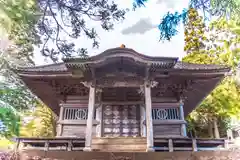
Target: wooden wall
{"points": [[72, 126], [168, 124], [166, 130]]}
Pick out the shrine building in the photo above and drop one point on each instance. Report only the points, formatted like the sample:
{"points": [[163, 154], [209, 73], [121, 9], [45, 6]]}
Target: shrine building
{"points": [[122, 100]]}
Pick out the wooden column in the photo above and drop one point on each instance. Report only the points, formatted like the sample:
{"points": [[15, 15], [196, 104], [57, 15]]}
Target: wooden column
{"points": [[60, 126], [91, 104], [99, 120], [183, 126], [149, 124], [143, 119], [194, 145]]}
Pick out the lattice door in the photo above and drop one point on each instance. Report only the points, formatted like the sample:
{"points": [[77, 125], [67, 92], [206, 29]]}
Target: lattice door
{"points": [[121, 120]]}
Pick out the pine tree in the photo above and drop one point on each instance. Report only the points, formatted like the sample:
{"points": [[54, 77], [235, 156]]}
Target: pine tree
{"points": [[194, 33]]}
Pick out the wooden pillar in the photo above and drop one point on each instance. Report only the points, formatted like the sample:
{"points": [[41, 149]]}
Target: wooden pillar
{"points": [[60, 126], [194, 145], [183, 126], [99, 120], [149, 124], [170, 145], [91, 104], [230, 134], [143, 119]]}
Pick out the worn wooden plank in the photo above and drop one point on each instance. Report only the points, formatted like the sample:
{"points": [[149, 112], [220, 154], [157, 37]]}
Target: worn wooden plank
{"points": [[194, 145], [182, 149], [149, 124], [165, 122], [161, 130], [89, 128], [46, 145], [70, 145], [165, 105], [122, 103], [226, 142], [170, 145]]}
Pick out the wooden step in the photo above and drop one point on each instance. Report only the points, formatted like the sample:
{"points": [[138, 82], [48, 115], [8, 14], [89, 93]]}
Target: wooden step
{"points": [[120, 144]]}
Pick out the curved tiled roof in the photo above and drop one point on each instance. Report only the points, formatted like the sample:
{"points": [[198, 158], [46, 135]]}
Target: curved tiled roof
{"points": [[118, 51], [45, 68], [179, 65], [156, 62], [191, 66]]}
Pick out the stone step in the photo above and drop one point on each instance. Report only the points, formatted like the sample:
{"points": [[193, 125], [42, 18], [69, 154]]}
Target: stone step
{"points": [[119, 140], [120, 144]]}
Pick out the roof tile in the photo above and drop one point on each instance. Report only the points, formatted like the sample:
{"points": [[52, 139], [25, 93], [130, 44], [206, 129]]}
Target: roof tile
{"points": [[50, 67], [191, 66]]}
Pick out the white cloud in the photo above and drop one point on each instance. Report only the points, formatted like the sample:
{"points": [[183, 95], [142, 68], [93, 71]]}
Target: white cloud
{"points": [[147, 43]]}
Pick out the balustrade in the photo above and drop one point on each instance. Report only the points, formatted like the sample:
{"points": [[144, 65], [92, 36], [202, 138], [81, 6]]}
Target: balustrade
{"points": [[165, 113], [75, 113]]}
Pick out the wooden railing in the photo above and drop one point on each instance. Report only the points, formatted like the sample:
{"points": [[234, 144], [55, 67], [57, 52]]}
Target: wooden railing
{"points": [[75, 113], [160, 144], [68, 144], [165, 113], [189, 144]]}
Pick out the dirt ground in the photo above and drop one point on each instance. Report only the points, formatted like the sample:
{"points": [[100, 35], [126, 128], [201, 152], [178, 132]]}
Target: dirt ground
{"points": [[77, 155]]}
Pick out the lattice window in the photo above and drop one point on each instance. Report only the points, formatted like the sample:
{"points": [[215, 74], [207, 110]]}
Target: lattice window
{"points": [[165, 114], [75, 114]]}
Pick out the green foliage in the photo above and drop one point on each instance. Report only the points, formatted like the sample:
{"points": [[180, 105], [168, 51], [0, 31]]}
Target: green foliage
{"points": [[10, 119], [194, 32], [16, 96], [6, 143], [18, 19], [43, 123], [220, 47]]}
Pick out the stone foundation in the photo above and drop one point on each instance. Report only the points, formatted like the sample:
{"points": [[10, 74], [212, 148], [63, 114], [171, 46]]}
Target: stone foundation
{"points": [[76, 155]]}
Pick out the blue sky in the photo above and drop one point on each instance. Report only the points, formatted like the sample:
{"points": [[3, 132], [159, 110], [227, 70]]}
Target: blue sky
{"points": [[138, 31]]}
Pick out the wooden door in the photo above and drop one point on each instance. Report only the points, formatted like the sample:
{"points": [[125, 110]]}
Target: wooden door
{"points": [[121, 121]]}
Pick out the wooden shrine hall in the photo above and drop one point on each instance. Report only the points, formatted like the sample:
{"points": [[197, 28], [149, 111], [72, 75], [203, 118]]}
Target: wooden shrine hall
{"points": [[121, 100]]}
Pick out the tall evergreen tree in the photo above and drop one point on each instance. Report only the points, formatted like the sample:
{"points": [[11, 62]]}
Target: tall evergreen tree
{"points": [[194, 32], [223, 102]]}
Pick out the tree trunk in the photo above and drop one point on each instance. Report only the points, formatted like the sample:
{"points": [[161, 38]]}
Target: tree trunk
{"points": [[216, 131], [210, 129]]}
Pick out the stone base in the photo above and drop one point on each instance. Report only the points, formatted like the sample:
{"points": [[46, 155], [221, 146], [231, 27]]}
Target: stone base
{"points": [[87, 149], [150, 149]]}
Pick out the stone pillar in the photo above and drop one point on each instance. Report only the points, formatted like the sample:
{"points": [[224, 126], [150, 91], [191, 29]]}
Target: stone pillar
{"points": [[91, 104], [183, 126], [149, 124]]}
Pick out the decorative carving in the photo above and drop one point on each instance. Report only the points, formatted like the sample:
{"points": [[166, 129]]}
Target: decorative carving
{"points": [[119, 82], [162, 114], [81, 114], [153, 84], [87, 84], [74, 88], [121, 120], [173, 88], [182, 88]]}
